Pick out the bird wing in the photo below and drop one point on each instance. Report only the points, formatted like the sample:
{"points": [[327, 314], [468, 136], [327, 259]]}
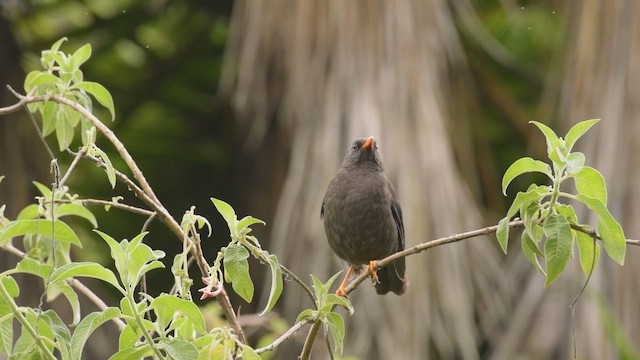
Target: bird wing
{"points": [[322, 210], [396, 211]]}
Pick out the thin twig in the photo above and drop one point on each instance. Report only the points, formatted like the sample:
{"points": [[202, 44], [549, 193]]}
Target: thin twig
{"points": [[302, 284], [117, 205], [77, 158], [282, 337]]}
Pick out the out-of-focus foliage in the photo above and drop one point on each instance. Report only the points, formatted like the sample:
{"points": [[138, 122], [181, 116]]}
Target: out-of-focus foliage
{"points": [[161, 62]]}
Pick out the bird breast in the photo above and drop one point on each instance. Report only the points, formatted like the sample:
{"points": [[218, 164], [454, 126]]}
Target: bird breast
{"points": [[358, 219]]}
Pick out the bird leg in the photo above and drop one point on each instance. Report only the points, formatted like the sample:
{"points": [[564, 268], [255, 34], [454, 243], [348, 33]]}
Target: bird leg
{"points": [[340, 291], [372, 270]]}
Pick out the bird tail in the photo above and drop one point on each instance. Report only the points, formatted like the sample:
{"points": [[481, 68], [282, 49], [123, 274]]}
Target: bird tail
{"points": [[392, 278]]}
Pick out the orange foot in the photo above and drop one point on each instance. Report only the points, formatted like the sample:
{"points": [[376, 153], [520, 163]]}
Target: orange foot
{"points": [[340, 291], [372, 270]]}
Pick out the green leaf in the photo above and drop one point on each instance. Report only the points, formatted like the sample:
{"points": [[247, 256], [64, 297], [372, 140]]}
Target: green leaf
{"points": [[64, 130], [117, 254], [43, 189], [276, 283], [587, 246], [50, 111], [70, 294], [227, 213], [133, 353], [29, 212], [521, 166], [502, 234], [63, 232], [236, 270], [33, 267], [336, 328], [60, 331], [553, 142], [575, 162], [558, 246], [86, 269], [333, 299], [249, 354], [246, 222], [577, 131], [180, 350], [100, 93], [81, 56], [306, 315], [531, 251], [40, 78], [110, 170], [6, 316], [86, 327], [166, 306], [76, 210], [524, 199], [11, 285], [591, 183], [56, 45], [610, 231]]}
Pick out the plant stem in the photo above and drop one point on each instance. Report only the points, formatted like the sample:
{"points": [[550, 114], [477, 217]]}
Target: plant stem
{"points": [[25, 324]]}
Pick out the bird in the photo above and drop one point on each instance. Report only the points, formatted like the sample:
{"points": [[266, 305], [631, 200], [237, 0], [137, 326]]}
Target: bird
{"points": [[363, 218]]}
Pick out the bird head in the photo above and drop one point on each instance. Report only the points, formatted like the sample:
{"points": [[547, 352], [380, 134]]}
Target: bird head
{"points": [[363, 151]]}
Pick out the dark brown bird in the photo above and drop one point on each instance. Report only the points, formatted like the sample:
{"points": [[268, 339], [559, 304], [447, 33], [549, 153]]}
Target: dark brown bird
{"points": [[363, 219]]}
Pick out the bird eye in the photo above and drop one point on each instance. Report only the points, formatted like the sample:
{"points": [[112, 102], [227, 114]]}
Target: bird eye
{"points": [[354, 146]]}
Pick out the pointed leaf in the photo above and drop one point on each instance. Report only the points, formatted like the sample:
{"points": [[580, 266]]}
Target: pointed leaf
{"points": [[502, 234], [236, 270], [610, 231], [246, 222], [553, 142], [531, 251], [558, 246], [577, 131], [86, 327], [521, 166], [81, 56], [336, 328], [227, 213], [100, 93], [276, 284]]}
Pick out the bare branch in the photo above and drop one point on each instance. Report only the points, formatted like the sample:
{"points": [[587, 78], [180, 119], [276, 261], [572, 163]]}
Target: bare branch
{"points": [[282, 337]]}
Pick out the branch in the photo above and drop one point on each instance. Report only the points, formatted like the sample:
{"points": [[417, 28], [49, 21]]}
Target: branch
{"points": [[313, 332], [282, 337], [130, 208]]}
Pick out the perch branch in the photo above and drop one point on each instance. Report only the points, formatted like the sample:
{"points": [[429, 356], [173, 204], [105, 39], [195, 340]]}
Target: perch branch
{"points": [[313, 332]]}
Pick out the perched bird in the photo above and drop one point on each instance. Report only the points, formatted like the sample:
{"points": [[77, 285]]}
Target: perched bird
{"points": [[363, 219]]}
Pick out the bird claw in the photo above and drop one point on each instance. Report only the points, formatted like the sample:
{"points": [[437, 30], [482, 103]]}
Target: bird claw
{"points": [[341, 293], [372, 270]]}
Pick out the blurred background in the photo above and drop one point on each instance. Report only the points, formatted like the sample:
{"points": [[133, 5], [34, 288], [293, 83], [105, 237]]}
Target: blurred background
{"points": [[256, 103]]}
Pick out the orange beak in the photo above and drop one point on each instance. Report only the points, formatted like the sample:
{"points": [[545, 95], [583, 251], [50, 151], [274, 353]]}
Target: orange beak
{"points": [[369, 143]]}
